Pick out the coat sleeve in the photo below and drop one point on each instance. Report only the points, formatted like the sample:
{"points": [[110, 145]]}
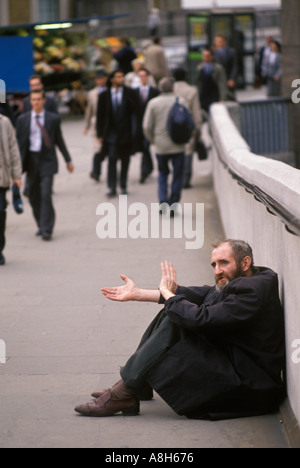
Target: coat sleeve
{"points": [[239, 305], [60, 142], [148, 123], [194, 295], [16, 164]]}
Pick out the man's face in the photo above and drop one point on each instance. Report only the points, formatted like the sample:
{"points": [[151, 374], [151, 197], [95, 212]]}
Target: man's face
{"points": [[118, 80], [220, 42], [144, 77], [37, 102], [225, 266], [101, 81], [207, 56], [36, 85]]}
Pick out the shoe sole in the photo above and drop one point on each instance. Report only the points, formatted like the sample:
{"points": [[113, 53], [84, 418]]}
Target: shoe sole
{"points": [[125, 412]]}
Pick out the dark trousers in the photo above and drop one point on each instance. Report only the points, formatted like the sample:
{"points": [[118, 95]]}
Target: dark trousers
{"points": [[161, 335], [147, 163], [97, 163], [40, 196], [116, 154], [177, 161], [3, 206]]}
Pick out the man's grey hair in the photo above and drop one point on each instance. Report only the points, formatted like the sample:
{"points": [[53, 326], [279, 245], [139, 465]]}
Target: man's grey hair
{"points": [[240, 250], [166, 85]]}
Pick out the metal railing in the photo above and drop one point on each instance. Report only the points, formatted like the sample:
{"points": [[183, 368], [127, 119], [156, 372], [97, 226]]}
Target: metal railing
{"points": [[265, 125]]}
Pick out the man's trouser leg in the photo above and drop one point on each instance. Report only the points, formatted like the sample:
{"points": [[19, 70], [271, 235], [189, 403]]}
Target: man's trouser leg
{"points": [[125, 163], [147, 163], [3, 205], [188, 170], [157, 340], [164, 171], [112, 168], [47, 213], [34, 195], [178, 175]]}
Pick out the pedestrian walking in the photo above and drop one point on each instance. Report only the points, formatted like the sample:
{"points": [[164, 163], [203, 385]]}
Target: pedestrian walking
{"points": [[145, 93], [211, 80], [132, 79], [227, 57], [191, 95], [38, 132], [117, 129], [155, 60], [36, 84], [125, 55], [155, 126], [91, 120], [273, 70], [10, 170]]}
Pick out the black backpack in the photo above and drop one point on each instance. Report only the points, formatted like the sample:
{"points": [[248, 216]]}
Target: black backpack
{"points": [[180, 124]]}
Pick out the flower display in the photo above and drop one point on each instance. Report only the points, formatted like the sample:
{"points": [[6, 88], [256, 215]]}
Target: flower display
{"points": [[55, 53]]}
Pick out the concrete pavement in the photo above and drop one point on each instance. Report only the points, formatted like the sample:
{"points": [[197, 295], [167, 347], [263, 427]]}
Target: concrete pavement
{"points": [[64, 340]]}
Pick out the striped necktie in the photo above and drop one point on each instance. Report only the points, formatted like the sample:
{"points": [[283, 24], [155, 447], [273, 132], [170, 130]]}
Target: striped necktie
{"points": [[46, 137]]}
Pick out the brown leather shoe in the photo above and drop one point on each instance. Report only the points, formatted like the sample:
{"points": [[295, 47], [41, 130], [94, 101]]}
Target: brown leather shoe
{"points": [[106, 406], [145, 394]]}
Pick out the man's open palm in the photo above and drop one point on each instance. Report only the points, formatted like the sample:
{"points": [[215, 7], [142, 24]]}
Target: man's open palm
{"points": [[122, 293]]}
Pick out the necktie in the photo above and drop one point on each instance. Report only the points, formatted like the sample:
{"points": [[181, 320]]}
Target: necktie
{"points": [[46, 138]]}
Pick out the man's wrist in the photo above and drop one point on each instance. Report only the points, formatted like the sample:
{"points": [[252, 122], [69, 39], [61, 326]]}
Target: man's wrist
{"points": [[166, 293]]}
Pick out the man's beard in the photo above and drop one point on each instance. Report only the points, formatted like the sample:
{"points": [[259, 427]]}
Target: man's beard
{"points": [[220, 286]]}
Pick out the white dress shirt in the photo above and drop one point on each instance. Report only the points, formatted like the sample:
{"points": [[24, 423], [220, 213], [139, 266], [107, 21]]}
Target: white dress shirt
{"points": [[36, 137]]}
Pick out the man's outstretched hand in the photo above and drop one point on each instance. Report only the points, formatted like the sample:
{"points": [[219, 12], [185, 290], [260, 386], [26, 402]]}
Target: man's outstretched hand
{"points": [[125, 293]]}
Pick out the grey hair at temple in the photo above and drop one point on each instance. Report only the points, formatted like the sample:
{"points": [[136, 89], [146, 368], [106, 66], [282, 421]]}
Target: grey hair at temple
{"points": [[240, 250]]}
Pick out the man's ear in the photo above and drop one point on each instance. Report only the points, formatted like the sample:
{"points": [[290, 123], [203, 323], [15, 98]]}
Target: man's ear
{"points": [[246, 264]]}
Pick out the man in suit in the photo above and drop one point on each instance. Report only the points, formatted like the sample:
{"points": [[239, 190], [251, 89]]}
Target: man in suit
{"points": [[38, 132], [144, 95], [90, 121], [36, 84], [117, 129], [227, 57], [211, 78]]}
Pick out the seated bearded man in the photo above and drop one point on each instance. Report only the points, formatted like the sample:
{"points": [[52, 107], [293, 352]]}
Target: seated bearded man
{"points": [[213, 352]]}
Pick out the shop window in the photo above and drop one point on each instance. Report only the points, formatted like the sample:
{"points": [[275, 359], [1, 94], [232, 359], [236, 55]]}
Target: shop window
{"points": [[48, 10]]}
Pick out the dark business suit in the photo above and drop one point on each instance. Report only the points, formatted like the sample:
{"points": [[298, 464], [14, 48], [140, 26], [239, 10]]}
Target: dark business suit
{"points": [[227, 57], [143, 143], [41, 167], [117, 126]]}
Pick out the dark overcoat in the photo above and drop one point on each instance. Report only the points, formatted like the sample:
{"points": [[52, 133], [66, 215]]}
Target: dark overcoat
{"points": [[120, 130], [229, 361]]}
